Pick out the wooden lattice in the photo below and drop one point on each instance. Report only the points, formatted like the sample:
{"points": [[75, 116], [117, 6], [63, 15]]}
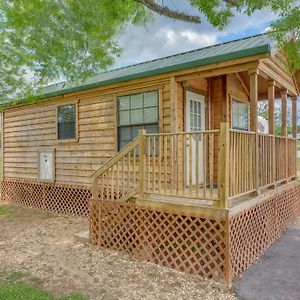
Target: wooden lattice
{"points": [[192, 244], [255, 229], [220, 248], [61, 198]]}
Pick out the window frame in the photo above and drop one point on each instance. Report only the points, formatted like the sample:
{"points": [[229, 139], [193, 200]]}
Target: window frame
{"points": [[76, 103], [157, 89], [39, 152], [234, 99]]}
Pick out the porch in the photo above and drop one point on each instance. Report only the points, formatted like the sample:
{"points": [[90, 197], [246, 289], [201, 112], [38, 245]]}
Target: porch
{"points": [[212, 152], [204, 197], [228, 165]]}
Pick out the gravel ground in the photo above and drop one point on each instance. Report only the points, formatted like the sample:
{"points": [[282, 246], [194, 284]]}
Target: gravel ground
{"points": [[41, 245]]}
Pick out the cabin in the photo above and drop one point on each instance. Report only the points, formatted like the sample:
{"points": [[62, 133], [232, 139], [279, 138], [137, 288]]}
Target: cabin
{"points": [[166, 157]]}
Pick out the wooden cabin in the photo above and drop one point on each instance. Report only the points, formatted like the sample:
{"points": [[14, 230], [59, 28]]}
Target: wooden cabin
{"points": [[177, 134]]}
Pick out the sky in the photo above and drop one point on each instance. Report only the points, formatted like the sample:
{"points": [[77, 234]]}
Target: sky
{"points": [[163, 36]]}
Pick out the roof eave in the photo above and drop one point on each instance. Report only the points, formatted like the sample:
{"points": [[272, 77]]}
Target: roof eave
{"points": [[264, 49]]}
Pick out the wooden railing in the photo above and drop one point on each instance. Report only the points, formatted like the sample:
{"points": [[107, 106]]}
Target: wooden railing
{"points": [[182, 164], [266, 160], [280, 158], [259, 160], [119, 178], [210, 166], [291, 157], [242, 168]]}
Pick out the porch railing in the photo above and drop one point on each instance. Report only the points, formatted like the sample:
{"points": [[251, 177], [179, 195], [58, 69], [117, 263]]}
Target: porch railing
{"points": [[211, 166], [259, 160], [182, 164]]}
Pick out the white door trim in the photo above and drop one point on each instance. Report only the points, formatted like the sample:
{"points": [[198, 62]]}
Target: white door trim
{"points": [[197, 124]]}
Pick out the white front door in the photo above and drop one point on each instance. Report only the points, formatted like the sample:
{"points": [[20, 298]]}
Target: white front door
{"points": [[194, 121]]}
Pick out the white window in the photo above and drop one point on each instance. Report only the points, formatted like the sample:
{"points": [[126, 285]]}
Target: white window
{"points": [[240, 115], [137, 111]]}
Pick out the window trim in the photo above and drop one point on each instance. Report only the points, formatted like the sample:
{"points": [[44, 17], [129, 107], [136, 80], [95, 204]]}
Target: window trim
{"points": [[76, 103], [53, 151], [159, 122], [248, 106]]}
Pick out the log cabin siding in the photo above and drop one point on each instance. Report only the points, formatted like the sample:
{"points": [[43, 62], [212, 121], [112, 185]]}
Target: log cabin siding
{"points": [[28, 129]]}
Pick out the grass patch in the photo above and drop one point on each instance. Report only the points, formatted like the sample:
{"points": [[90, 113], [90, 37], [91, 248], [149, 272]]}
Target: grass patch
{"points": [[20, 291], [4, 211], [20, 286]]}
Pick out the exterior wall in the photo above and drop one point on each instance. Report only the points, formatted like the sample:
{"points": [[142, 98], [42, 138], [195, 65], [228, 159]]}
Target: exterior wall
{"points": [[28, 129]]}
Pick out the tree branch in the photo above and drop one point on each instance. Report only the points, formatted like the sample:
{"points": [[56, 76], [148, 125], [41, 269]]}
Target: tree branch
{"points": [[167, 12]]}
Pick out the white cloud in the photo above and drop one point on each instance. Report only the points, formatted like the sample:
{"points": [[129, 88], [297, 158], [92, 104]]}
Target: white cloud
{"points": [[165, 37]]}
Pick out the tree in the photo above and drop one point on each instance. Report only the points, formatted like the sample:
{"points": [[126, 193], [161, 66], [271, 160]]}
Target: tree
{"points": [[44, 40]]}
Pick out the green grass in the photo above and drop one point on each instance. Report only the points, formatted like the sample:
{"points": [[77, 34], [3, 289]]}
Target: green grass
{"points": [[20, 291], [298, 163], [4, 211], [20, 286]]}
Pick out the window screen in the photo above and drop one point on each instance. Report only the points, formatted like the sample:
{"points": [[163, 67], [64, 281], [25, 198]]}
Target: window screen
{"points": [[240, 115], [66, 121], [138, 111]]}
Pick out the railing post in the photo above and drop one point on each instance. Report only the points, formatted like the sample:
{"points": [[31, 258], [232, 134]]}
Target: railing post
{"points": [[142, 133], [271, 97], [223, 163], [254, 121], [95, 187], [294, 130], [284, 128]]}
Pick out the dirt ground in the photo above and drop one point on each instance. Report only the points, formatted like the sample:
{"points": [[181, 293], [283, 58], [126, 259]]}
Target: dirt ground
{"points": [[41, 245]]}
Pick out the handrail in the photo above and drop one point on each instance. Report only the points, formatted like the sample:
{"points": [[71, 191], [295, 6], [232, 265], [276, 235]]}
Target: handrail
{"points": [[117, 157], [183, 133], [242, 131]]}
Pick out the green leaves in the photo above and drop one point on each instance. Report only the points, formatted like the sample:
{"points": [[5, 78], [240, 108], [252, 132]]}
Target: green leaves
{"points": [[45, 40]]}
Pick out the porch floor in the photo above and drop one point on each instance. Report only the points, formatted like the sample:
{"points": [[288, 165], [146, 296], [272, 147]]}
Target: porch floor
{"points": [[157, 200]]}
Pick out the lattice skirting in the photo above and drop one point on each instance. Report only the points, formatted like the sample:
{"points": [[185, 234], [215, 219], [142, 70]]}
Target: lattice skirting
{"points": [[189, 243], [61, 198], [255, 229], [215, 247]]}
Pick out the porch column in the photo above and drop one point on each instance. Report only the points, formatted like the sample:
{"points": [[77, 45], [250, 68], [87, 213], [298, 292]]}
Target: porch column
{"points": [[271, 98], [253, 122], [253, 100], [294, 117], [284, 127], [294, 129], [284, 111], [173, 104]]}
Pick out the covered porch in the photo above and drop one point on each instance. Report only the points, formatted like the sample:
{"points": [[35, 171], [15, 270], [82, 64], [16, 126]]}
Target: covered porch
{"points": [[215, 154], [210, 191]]}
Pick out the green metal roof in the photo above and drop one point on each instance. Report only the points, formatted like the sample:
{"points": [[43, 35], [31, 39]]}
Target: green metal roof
{"points": [[245, 47]]}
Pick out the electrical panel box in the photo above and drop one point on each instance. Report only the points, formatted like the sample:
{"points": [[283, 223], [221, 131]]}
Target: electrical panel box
{"points": [[46, 165]]}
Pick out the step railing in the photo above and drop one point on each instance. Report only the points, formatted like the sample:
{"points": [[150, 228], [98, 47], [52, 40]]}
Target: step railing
{"points": [[119, 178], [169, 164]]}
